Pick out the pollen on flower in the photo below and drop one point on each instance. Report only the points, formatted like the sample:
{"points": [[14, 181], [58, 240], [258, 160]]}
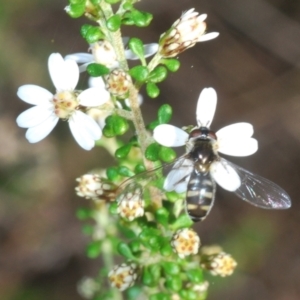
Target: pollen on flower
{"points": [[123, 276], [185, 242], [221, 264], [118, 83], [65, 103], [92, 186], [131, 204]]}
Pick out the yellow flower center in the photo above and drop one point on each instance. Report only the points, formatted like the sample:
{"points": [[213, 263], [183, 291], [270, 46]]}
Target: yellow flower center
{"points": [[65, 104]]}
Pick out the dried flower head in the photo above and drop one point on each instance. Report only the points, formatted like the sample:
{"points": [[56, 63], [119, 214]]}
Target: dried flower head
{"points": [[184, 33], [104, 54], [92, 186], [88, 287], [118, 83], [123, 276], [221, 264], [185, 242], [131, 203]]}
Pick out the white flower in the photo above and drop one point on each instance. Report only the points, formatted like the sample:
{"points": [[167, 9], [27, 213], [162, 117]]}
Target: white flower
{"points": [[233, 140], [104, 53], [65, 104], [185, 33]]}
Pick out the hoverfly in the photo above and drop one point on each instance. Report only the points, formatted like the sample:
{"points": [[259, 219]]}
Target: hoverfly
{"points": [[198, 171]]}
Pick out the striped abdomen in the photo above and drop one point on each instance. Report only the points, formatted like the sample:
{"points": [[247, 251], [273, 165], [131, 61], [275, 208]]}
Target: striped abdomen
{"points": [[200, 195]]}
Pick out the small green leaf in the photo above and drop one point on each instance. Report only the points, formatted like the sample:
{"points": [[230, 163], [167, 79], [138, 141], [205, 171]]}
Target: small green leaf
{"points": [[155, 271], [125, 251], [141, 19], [171, 268], [87, 229], [94, 249], [174, 283], [152, 125], [152, 151], [123, 151], [137, 47], [84, 213], [135, 246], [113, 208], [112, 1], [112, 173], [162, 216], [195, 275], [115, 125], [139, 168], [76, 10], [164, 114], [171, 63], [114, 23], [152, 90], [139, 73], [147, 278], [166, 154], [158, 74], [132, 293], [160, 296], [183, 221], [96, 70], [93, 34], [124, 171], [84, 29], [77, 1], [166, 250]]}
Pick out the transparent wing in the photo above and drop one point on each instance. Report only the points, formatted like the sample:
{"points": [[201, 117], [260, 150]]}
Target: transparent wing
{"points": [[260, 191]]}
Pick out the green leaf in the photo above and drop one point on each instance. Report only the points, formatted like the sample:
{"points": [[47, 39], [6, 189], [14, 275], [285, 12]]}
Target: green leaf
{"points": [[96, 70], [162, 216], [84, 213], [152, 151], [135, 246], [160, 296], [124, 171], [139, 168], [133, 293], [195, 275], [152, 125], [94, 34], [152, 90], [174, 283], [155, 271], [77, 1], [147, 278], [94, 249], [113, 208], [112, 1], [172, 64], [141, 19], [112, 173], [137, 47], [139, 73], [166, 250], [114, 23], [84, 29], [115, 125], [125, 251], [76, 10], [164, 114], [159, 74], [183, 221], [87, 229], [166, 154], [171, 268], [123, 151]]}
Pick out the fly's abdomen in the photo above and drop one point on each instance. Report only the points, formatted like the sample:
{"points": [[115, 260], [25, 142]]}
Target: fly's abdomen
{"points": [[200, 195]]}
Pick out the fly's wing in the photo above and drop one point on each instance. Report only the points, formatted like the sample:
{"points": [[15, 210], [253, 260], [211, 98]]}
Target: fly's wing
{"points": [[259, 191], [175, 174]]}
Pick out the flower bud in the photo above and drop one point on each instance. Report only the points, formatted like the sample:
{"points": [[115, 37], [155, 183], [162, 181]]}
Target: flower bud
{"points": [[118, 83], [92, 186], [185, 242], [184, 33], [123, 276], [221, 264], [104, 54]]}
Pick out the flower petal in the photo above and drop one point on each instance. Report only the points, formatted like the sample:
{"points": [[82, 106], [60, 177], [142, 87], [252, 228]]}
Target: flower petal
{"points": [[39, 132], [169, 135], [64, 73], [238, 147], [34, 94], [80, 58], [96, 82], [208, 36], [177, 177], [84, 129], [206, 107], [34, 116], [225, 175], [236, 130], [94, 96]]}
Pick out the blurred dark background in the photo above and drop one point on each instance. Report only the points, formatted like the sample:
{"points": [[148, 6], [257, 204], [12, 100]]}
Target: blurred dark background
{"points": [[253, 65]]}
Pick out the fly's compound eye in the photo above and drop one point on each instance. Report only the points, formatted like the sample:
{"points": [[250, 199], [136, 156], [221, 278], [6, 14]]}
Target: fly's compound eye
{"points": [[203, 132]]}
